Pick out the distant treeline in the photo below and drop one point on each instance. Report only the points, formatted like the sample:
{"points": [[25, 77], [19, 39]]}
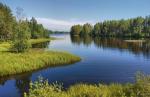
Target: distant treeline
{"points": [[135, 27], [10, 25]]}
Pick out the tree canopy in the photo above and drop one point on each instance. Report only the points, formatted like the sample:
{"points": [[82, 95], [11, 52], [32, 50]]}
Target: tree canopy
{"points": [[76, 29], [8, 22], [134, 27], [18, 29]]}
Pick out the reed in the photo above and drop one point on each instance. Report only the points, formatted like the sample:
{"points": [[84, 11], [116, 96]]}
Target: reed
{"points": [[15, 63]]}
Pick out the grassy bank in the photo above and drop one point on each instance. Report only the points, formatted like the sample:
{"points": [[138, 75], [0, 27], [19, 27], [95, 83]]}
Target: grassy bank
{"points": [[13, 63], [34, 41], [5, 46], [141, 88]]}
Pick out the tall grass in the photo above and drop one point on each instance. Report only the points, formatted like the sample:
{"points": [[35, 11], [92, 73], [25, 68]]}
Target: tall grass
{"points": [[15, 63], [5, 46], [141, 88]]}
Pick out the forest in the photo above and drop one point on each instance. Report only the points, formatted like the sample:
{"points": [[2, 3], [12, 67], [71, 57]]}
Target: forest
{"points": [[135, 27], [19, 29]]}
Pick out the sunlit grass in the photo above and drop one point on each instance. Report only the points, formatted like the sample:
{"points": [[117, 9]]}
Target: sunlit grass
{"points": [[13, 63], [141, 88], [34, 41], [6, 46]]}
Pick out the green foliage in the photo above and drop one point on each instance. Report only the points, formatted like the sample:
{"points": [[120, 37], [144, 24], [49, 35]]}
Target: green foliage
{"points": [[37, 30], [19, 30], [6, 22], [32, 25], [141, 88], [97, 29], [9, 25], [79, 30], [136, 27], [76, 30], [15, 63], [21, 37], [7, 46], [87, 29]]}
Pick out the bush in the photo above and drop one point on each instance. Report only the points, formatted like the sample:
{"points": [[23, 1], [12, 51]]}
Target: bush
{"points": [[21, 37], [141, 88]]}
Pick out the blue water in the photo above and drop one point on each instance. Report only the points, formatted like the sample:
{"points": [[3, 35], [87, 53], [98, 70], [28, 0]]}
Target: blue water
{"points": [[103, 60]]}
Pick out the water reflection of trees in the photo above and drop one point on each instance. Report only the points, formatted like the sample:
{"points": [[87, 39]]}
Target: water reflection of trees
{"points": [[120, 44], [23, 85], [22, 82], [86, 40]]}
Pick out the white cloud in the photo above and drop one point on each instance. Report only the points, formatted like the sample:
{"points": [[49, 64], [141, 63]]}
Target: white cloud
{"points": [[60, 25]]}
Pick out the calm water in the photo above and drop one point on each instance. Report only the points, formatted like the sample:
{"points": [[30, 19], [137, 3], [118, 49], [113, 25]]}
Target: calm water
{"points": [[103, 60]]}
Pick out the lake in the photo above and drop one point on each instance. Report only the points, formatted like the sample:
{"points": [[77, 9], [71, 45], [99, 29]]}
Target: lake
{"points": [[103, 61]]}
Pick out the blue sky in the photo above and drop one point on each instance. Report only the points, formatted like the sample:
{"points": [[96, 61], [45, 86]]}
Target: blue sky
{"points": [[61, 14]]}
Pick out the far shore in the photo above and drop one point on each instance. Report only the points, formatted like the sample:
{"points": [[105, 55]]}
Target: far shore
{"points": [[138, 41]]}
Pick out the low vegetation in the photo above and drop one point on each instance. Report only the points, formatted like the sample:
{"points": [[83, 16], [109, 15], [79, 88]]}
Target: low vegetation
{"points": [[35, 41], [6, 46], [141, 88], [15, 63]]}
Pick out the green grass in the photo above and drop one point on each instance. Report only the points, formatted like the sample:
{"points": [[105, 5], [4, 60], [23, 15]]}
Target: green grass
{"points": [[141, 88], [34, 41], [6, 46], [15, 63]]}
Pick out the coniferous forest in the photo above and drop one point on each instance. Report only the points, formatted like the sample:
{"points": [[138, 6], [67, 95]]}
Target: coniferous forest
{"points": [[19, 29], [135, 27], [10, 24]]}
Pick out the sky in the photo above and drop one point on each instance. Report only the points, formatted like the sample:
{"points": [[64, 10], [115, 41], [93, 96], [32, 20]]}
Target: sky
{"points": [[62, 14]]}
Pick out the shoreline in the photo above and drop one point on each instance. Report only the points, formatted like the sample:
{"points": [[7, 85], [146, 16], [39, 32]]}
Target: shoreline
{"points": [[33, 60]]}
